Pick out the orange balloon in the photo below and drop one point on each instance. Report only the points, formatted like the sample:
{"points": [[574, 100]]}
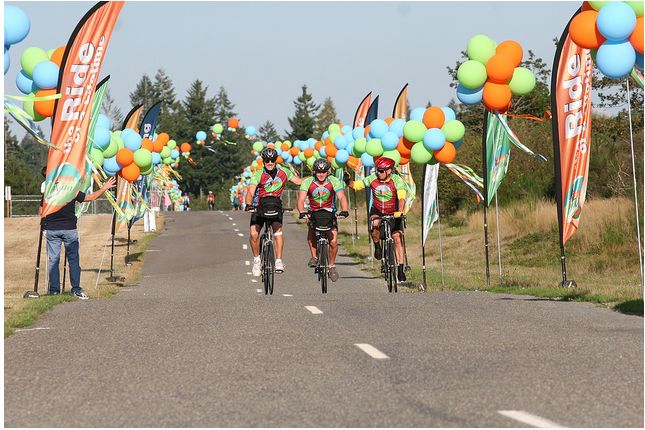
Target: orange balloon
{"points": [[280, 160], [284, 147], [352, 162], [328, 141], [309, 152], [318, 145], [434, 117], [233, 123], [407, 143], [330, 159], [446, 154], [124, 157], [637, 36], [271, 145], [404, 160], [403, 150], [57, 55], [512, 50], [500, 69], [367, 130], [331, 150], [388, 121], [185, 147], [496, 97], [46, 107], [163, 138], [157, 145], [147, 144], [130, 173], [294, 150], [583, 30]]}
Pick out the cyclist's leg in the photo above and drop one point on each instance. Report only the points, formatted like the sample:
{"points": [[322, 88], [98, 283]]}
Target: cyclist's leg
{"points": [[254, 235], [279, 241], [333, 246], [376, 230], [311, 240], [398, 246]]}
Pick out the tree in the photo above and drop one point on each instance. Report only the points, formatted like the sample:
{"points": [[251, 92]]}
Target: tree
{"points": [[17, 174], [303, 121], [325, 117], [223, 108], [268, 133], [164, 91], [112, 111], [143, 93]]}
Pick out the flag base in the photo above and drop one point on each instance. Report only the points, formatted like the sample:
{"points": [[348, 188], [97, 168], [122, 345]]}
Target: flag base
{"points": [[569, 283], [31, 295]]}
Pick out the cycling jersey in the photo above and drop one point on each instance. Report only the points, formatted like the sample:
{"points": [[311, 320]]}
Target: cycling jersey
{"points": [[321, 197], [268, 185], [386, 194]]}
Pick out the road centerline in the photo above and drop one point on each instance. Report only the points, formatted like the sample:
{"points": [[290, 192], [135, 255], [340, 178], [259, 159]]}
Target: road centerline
{"points": [[371, 351], [530, 419]]}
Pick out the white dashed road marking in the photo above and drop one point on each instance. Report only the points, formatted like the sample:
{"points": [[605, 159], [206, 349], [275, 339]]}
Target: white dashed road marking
{"points": [[371, 351], [236, 229], [32, 329], [249, 273], [234, 224], [254, 280], [288, 295], [258, 290], [530, 419], [314, 310], [245, 246], [154, 250], [247, 263], [240, 234]]}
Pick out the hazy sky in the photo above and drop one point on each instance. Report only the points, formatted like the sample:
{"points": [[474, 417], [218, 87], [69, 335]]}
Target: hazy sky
{"points": [[262, 52]]}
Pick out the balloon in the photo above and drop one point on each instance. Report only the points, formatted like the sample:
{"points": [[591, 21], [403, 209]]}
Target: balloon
{"points": [[342, 156], [31, 57], [454, 130], [200, 136], [174, 153], [7, 60], [433, 117], [480, 48], [416, 114], [46, 75], [397, 126], [309, 153], [446, 154], [124, 157], [616, 59], [389, 140], [16, 24], [393, 155], [639, 61], [132, 141], [143, 157], [165, 152], [57, 56], [297, 161], [340, 142], [111, 164], [233, 123], [156, 158], [346, 129], [496, 97], [636, 39], [367, 160], [147, 144], [147, 170], [96, 156], [472, 74], [378, 128], [258, 146], [469, 96], [218, 128], [584, 32], [616, 21], [360, 145], [420, 154], [45, 107], [310, 162], [294, 151], [448, 113], [113, 147], [403, 149], [130, 173], [414, 130], [512, 50], [103, 122], [101, 138], [597, 5], [25, 84], [28, 107], [523, 81], [500, 69], [434, 139], [287, 143], [333, 128], [358, 132], [250, 130], [637, 6], [374, 147], [302, 157]]}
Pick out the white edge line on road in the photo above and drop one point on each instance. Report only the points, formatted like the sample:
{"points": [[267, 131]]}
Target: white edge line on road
{"points": [[236, 229], [245, 246], [247, 263], [530, 419], [258, 290], [314, 310], [234, 224], [154, 250], [240, 234], [371, 351], [249, 273], [31, 329], [254, 280], [287, 295]]}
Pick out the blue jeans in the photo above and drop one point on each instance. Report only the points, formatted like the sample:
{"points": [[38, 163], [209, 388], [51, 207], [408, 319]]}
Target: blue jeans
{"points": [[70, 239]]}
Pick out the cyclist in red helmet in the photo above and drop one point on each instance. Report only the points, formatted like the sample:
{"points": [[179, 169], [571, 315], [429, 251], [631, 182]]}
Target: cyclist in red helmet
{"points": [[388, 198]]}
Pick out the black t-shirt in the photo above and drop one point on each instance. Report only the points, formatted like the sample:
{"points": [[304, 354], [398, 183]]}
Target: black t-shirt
{"points": [[64, 219]]}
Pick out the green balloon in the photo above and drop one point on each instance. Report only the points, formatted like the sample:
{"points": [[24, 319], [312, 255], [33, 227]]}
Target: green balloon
{"points": [[257, 146], [333, 129], [316, 154], [597, 5], [147, 169], [142, 157], [335, 164], [355, 152], [288, 143], [481, 48], [523, 81], [167, 160], [334, 135], [28, 107], [636, 5], [472, 74], [96, 156], [360, 145], [120, 142], [302, 157], [165, 152], [414, 130], [374, 147], [171, 144], [218, 129], [433, 161], [393, 155], [420, 154], [115, 143], [310, 161], [31, 57], [454, 130]]}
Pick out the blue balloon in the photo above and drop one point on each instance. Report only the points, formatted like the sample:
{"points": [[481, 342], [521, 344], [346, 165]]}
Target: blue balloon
{"points": [[103, 122], [25, 84], [109, 172], [16, 24], [397, 126], [458, 143], [156, 158], [126, 132], [342, 156], [616, 21], [350, 147], [111, 164], [616, 59], [346, 129], [322, 151], [297, 161], [378, 128], [449, 114], [417, 114], [367, 160], [288, 157], [132, 140], [311, 140], [101, 138], [469, 96], [639, 61], [340, 142], [325, 134], [390, 140], [434, 139], [358, 132], [46, 75], [250, 130], [201, 135], [7, 60]]}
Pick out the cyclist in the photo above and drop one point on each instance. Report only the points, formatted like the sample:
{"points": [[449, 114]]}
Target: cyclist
{"points": [[265, 191], [321, 190], [211, 201], [388, 198]]}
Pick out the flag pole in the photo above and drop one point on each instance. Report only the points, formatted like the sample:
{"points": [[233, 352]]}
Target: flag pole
{"points": [[484, 175], [34, 294], [111, 279], [423, 228], [499, 247], [443, 285]]}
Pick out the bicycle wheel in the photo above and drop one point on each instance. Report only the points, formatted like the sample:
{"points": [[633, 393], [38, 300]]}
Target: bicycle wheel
{"points": [[390, 262], [323, 266], [268, 267]]}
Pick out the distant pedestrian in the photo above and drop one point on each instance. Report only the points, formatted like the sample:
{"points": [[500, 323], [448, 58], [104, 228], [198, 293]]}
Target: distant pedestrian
{"points": [[211, 201]]}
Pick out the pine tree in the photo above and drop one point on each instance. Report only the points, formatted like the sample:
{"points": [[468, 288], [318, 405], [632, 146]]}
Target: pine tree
{"points": [[325, 117], [303, 121], [112, 111], [223, 108], [143, 93], [17, 174], [268, 133], [164, 91]]}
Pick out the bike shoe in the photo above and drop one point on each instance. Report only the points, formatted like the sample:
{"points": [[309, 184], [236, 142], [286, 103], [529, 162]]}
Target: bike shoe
{"points": [[401, 273], [279, 266], [378, 251], [333, 274], [313, 261]]}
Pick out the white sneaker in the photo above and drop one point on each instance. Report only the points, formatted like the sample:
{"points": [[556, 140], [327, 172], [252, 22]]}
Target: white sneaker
{"points": [[279, 266], [257, 267]]}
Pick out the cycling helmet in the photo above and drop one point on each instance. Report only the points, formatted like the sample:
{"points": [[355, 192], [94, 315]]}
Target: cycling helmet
{"points": [[269, 154], [321, 165], [384, 163]]}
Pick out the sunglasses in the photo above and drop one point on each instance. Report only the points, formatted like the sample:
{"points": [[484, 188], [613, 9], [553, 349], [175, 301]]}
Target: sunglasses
{"points": [[272, 160], [382, 170]]}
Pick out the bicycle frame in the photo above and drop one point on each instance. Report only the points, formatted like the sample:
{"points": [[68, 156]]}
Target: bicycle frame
{"points": [[388, 261]]}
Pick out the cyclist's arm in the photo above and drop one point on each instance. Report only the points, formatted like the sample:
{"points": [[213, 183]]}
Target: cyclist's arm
{"points": [[250, 193], [342, 198], [296, 180], [302, 195]]}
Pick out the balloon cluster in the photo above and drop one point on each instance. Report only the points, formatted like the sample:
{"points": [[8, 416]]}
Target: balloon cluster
{"points": [[492, 74], [125, 153], [200, 137], [250, 132], [217, 130], [614, 33], [16, 28]]}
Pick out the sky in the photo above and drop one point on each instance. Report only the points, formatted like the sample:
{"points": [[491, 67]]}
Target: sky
{"points": [[263, 52]]}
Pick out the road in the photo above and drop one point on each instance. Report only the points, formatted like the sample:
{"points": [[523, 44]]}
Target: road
{"points": [[195, 344]]}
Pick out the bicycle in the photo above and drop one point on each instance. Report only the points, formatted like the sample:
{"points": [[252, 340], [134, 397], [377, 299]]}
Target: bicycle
{"points": [[388, 262], [322, 225]]}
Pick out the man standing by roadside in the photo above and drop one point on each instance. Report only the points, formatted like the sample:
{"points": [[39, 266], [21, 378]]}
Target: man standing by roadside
{"points": [[60, 228]]}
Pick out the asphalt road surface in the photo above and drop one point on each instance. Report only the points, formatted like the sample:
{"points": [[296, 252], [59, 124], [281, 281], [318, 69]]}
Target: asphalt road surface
{"points": [[195, 344]]}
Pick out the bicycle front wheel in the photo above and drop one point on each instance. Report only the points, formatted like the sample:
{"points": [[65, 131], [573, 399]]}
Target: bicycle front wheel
{"points": [[323, 266], [390, 263], [268, 267]]}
